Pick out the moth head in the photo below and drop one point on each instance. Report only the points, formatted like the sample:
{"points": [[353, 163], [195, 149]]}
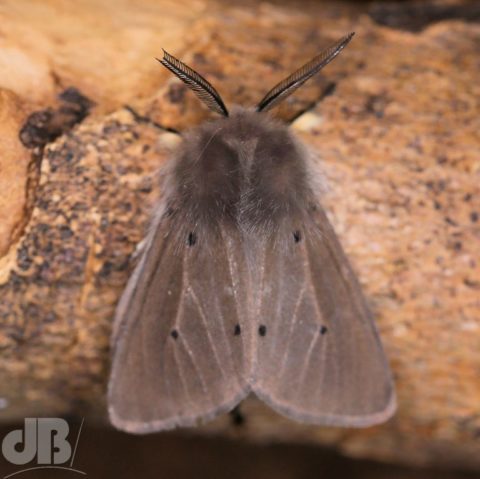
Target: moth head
{"points": [[207, 93]]}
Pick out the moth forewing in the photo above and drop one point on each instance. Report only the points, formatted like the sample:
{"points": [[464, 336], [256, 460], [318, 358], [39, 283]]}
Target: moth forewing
{"points": [[176, 363], [323, 362]]}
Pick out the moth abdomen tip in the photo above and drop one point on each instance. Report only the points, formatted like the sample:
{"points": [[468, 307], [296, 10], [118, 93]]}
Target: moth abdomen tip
{"points": [[237, 417]]}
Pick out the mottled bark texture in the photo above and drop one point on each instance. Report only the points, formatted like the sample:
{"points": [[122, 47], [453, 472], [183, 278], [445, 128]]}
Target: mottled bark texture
{"points": [[395, 122]]}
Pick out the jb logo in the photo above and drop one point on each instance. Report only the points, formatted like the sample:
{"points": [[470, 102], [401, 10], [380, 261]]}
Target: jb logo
{"points": [[44, 440]]}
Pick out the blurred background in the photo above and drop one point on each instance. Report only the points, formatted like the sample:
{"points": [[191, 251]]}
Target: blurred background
{"points": [[103, 452]]}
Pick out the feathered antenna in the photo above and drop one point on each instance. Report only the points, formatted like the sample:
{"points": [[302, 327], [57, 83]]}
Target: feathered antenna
{"points": [[286, 87], [201, 87]]}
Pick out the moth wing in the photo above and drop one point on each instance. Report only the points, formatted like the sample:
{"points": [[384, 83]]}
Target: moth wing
{"points": [[176, 358], [321, 360]]}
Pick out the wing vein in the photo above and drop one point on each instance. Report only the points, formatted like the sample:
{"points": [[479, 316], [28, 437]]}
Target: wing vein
{"points": [[207, 330], [194, 364], [293, 323], [181, 375], [237, 306], [334, 364]]}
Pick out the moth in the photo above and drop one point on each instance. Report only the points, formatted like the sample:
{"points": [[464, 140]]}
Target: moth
{"points": [[242, 286]]}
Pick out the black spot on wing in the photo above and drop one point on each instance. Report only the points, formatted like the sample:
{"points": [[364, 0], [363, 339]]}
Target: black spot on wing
{"points": [[192, 238]]}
